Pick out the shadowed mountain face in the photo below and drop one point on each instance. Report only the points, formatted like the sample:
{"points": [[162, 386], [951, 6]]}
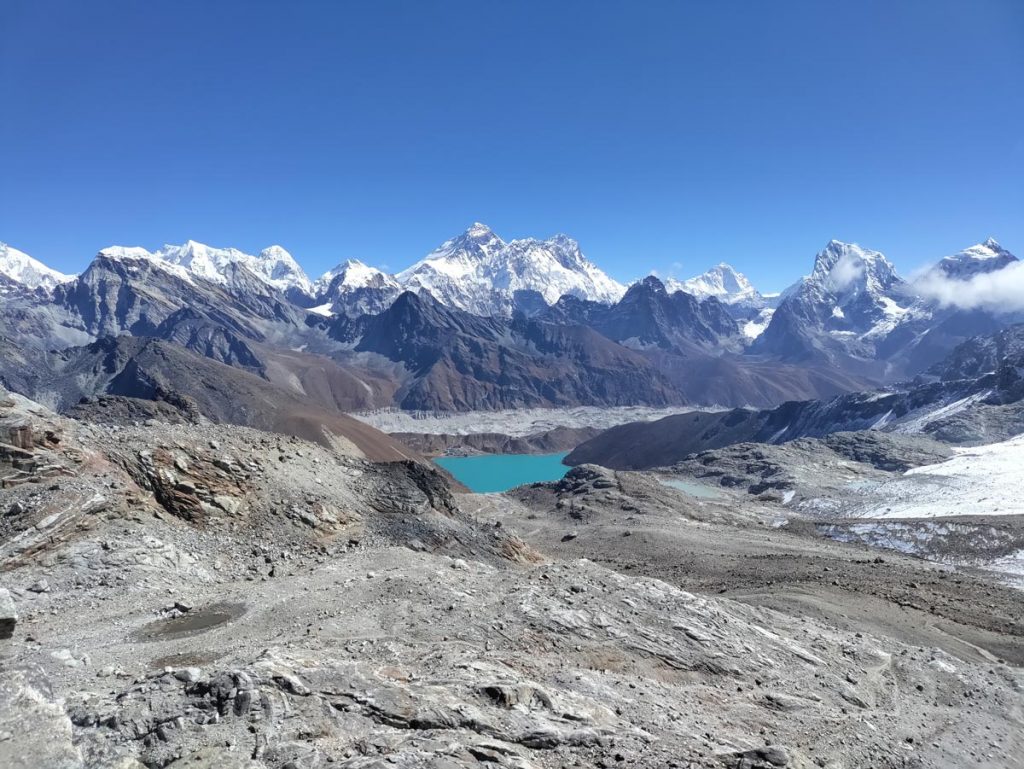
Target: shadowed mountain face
{"points": [[975, 396], [457, 361], [136, 296], [649, 316], [155, 370], [697, 345], [982, 355]]}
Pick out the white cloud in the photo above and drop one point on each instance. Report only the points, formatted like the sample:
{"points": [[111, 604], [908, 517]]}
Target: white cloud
{"points": [[1001, 291], [848, 269]]}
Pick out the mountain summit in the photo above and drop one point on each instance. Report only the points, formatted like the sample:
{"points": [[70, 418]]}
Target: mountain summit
{"points": [[480, 273], [980, 258], [722, 282], [273, 265], [19, 270]]}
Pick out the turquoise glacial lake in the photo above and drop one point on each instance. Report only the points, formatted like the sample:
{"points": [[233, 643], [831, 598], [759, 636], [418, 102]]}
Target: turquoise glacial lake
{"points": [[500, 472]]}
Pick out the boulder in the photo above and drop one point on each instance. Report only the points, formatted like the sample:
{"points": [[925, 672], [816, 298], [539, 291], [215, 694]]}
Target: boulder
{"points": [[8, 616]]}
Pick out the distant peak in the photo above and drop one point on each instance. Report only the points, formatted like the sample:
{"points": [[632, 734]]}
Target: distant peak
{"points": [[840, 246], [479, 230], [23, 269], [652, 282], [275, 252]]}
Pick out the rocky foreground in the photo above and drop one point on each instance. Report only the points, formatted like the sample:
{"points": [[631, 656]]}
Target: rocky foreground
{"points": [[212, 596]]}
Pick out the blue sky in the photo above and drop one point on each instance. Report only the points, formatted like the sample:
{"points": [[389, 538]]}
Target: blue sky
{"points": [[656, 133]]}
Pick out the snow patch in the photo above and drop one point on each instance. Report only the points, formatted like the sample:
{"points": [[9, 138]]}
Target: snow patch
{"points": [[983, 480]]}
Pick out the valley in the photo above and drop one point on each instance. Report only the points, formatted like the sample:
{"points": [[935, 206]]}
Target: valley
{"points": [[194, 594]]}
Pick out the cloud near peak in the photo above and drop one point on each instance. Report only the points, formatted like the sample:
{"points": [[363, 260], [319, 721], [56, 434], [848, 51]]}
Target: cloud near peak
{"points": [[999, 291]]}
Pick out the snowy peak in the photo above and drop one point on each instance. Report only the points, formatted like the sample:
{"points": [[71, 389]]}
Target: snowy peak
{"points": [[354, 288], [274, 265], [842, 268], [352, 274], [280, 269], [722, 282], [480, 273], [21, 269], [203, 261], [480, 233], [136, 255], [852, 298], [478, 241], [977, 259]]}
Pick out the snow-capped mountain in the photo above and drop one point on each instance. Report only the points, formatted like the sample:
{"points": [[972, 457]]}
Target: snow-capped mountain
{"points": [[272, 265], [722, 282], [735, 291], [976, 291], [854, 290], [852, 296], [481, 273], [980, 258], [855, 311], [19, 270], [852, 322], [356, 289]]}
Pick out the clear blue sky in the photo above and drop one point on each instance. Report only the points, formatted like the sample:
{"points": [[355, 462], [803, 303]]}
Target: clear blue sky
{"points": [[655, 132]]}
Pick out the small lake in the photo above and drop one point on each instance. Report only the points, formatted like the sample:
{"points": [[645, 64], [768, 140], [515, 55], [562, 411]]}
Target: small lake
{"points": [[500, 472], [693, 488]]}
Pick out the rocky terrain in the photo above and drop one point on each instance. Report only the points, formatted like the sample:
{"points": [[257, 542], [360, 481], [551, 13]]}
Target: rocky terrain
{"points": [[203, 595], [546, 442]]}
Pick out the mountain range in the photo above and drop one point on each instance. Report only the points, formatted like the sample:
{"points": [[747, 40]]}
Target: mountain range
{"points": [[974, 396], [481, 323]]}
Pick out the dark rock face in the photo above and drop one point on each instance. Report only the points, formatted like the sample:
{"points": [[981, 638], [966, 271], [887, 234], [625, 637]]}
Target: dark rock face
{"points": [[208, 338], [172, 408], [984, 409], [458, 361], [649, 315], [697, 345], [981, 355], [136, 296], [887, 451], [142, 368]]}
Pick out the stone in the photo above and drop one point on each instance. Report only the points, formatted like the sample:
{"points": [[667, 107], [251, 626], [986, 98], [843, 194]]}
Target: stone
{"points": [[768, 757], [8, 615], [230, 505], [40, 586]]}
